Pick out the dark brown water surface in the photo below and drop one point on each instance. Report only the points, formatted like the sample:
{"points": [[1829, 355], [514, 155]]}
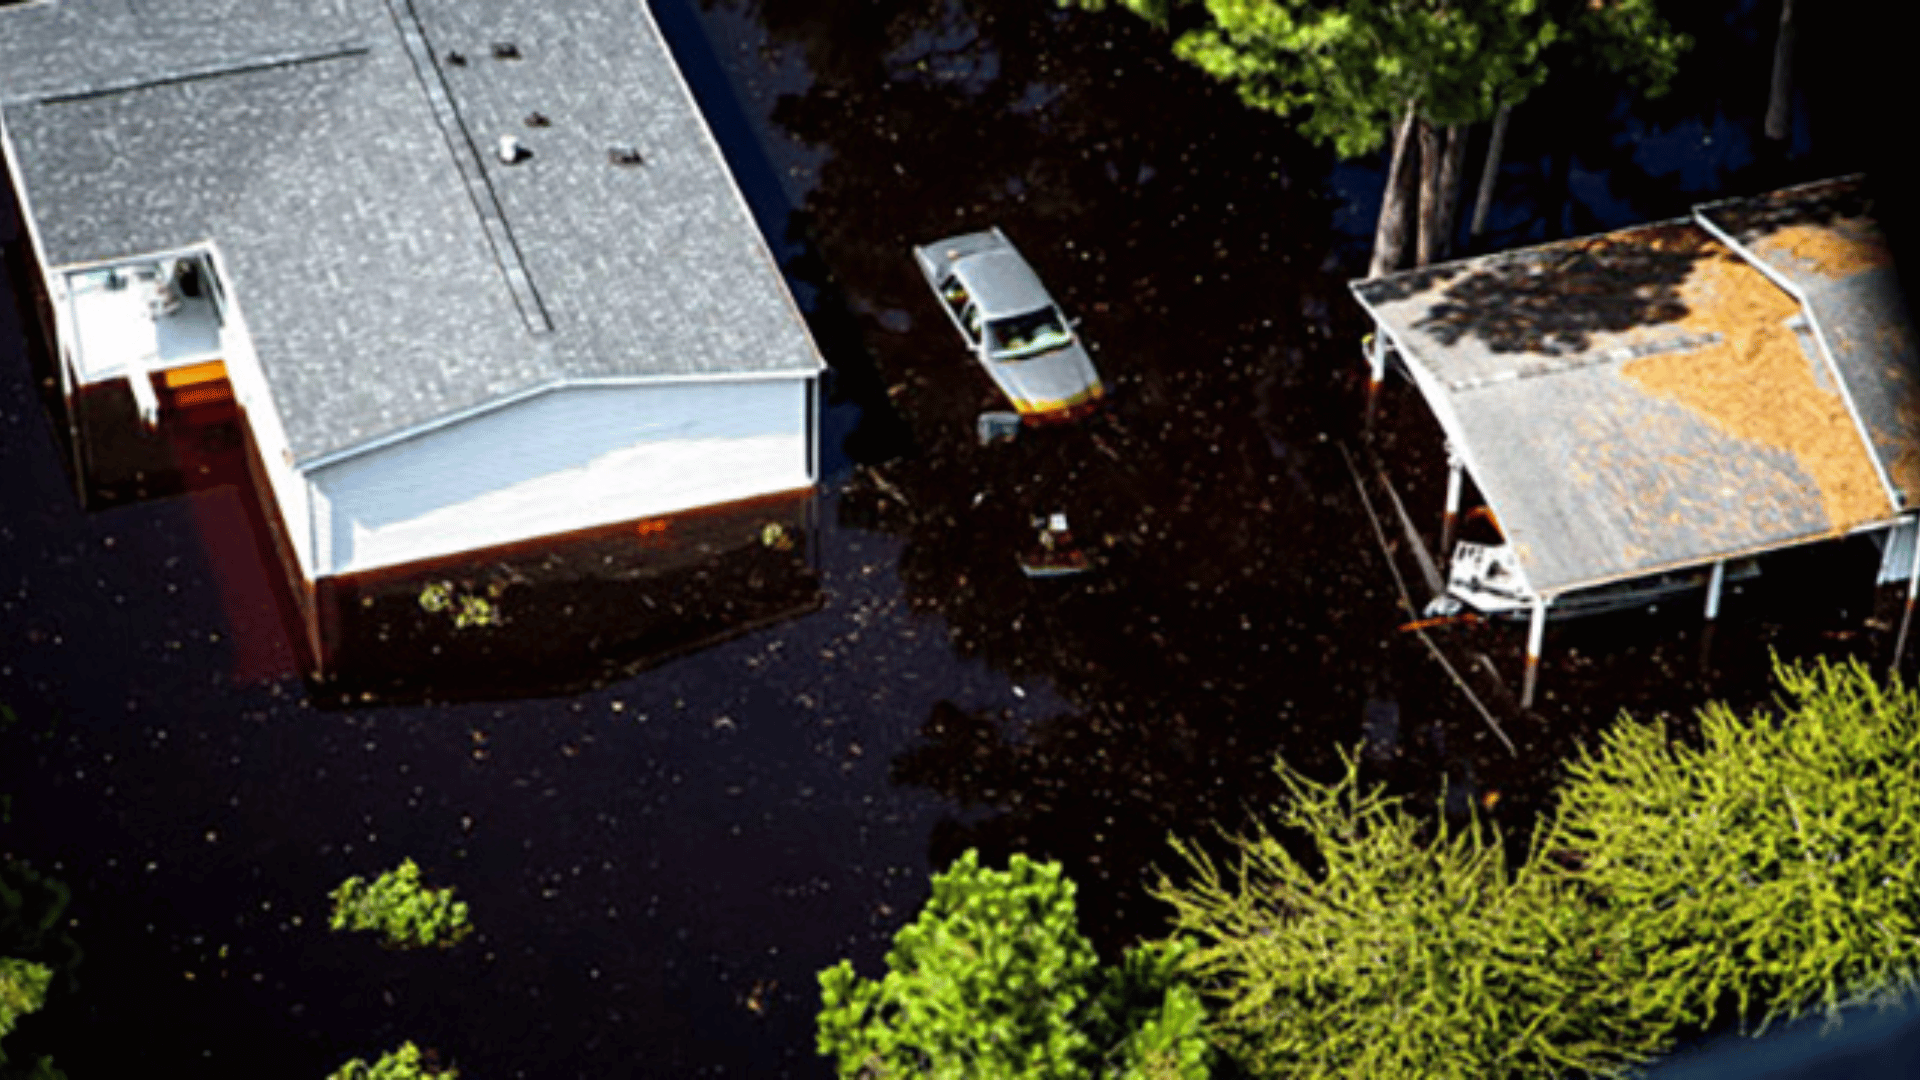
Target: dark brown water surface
{"points": [[661, 847]]}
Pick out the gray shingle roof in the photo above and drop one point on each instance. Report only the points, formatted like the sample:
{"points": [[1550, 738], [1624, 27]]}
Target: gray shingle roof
{"points": [[303, 141], [1631, 403]]}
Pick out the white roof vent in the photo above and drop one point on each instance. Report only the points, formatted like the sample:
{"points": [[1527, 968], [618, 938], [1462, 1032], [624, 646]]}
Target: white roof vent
{"points": [[511, 152]]}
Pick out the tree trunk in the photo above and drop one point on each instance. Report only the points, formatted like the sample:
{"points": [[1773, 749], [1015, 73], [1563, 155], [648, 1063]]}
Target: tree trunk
{"points": [[1780, 104], [1429, 193], [1484, 201], [1440, 222], [1390, 233]]}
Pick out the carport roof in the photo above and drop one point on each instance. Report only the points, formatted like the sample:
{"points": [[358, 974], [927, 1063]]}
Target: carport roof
{"points": [[1642, 400], [393, 272]]}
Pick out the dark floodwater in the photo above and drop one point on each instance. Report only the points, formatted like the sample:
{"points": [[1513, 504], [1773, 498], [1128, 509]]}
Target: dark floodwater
{"points": [[659, 865]]}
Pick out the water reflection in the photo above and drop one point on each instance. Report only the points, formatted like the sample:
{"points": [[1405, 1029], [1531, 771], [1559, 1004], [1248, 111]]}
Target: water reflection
{"points": [[1240, 609], [545, 618], [650, 856], [562, 616], [1230, 615]]}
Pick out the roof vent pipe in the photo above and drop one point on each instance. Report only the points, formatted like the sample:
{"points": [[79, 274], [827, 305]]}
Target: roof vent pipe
{"points": [[511, 152]]}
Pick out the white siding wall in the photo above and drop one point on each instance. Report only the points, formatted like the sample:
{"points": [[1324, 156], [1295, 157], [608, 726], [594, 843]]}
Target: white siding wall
{"points": [[249, 382], [568, 459]]}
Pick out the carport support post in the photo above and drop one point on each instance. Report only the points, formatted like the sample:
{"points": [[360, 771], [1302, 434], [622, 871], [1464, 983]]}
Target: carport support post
{"points": [[1376, 370], [1913, 586], [1454, 468], [1536, 635], [1714, 584]]}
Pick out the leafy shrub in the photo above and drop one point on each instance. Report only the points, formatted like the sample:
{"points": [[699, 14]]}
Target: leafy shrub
{"points": [[466, 608], [1770, 870], [994, 979], [23, 989], [406, 1063], [407, 914], [36, 956]]}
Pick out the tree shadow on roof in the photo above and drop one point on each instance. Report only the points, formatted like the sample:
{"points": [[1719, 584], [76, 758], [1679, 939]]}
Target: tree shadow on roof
{"points": [[1551, 300]]}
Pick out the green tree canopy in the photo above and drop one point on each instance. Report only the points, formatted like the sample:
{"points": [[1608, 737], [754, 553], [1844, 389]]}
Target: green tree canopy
{"points": [[23, 989], [994, 979], [36, 955], [1349, 70], [1355, 72], [1408, 951], [1352, 67], [1767, 871]]}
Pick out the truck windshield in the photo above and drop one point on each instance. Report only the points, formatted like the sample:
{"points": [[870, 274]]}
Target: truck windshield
{"points": [[1027, 335]]}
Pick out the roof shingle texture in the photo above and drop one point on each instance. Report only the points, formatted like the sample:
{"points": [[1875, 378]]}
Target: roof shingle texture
{"points": [[301, 139], [1632, 403]]}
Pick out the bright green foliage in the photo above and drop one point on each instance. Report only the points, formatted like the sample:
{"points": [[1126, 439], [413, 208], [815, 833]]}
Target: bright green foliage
{"points": [[23, 989], [35, 955], [476, 611], [1770, 870], [1403, 955], [995, 980], [395, 904], [1354, 67], [406, 1063], [466, 608], [1157, 1015], [1774, 868]]}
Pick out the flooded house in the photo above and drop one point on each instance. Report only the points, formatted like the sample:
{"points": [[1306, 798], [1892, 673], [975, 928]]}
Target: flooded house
{"points": [[1645, 412], [471, 275]]}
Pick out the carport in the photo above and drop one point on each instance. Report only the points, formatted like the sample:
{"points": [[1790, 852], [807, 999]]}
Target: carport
{"points": [[1643, 408]]}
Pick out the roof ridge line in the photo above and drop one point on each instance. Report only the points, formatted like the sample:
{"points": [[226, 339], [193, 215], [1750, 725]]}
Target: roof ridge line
{"points": [[1856, 178], [196, 74], [1896, 500]]}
